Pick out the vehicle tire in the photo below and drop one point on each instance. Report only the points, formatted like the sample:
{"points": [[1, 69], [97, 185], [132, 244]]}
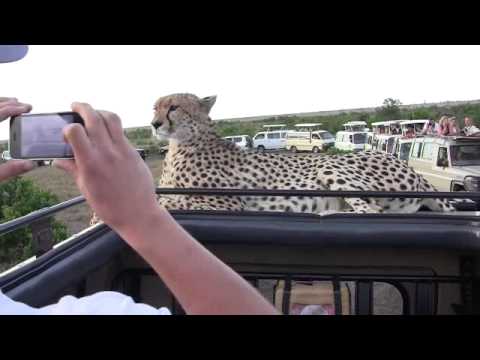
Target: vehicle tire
{"points": [[293, 149], [260, 149], [315, 150]]}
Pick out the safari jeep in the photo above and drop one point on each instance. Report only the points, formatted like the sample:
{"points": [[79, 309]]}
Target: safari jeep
{"points": [[307, 264], [449, 163]]}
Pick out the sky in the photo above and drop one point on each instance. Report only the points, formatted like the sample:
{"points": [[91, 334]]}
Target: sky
{"points": [[248, 80]]}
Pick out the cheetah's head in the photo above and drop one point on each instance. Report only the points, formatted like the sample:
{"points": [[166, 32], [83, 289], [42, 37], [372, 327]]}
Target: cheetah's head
{"points": [[182, 117]]}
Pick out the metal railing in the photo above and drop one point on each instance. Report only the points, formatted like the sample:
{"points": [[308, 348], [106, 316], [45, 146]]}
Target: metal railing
{"points": [[39, 220]]}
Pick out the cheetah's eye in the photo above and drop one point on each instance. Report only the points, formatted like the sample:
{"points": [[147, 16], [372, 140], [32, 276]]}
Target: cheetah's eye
{"points": [[172, 108]]}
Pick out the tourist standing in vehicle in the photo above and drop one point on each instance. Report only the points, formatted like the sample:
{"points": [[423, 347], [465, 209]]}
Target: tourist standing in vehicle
{"points": [[443, 126], [452, 126], [470, 129], [430, 128]]}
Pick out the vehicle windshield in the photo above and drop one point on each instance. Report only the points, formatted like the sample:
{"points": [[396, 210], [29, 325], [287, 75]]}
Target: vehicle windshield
{"points": [[326, 136], [360, 138], [464, 155]]}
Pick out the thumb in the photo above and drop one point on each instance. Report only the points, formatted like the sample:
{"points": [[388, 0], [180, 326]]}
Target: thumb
{"points": [[67, 165]]}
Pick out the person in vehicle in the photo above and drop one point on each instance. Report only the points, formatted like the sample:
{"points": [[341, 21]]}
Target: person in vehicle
{"points": [[470, 129], [430, 128], [410, 131], [442, 129], [452, 126], [105, 165]]}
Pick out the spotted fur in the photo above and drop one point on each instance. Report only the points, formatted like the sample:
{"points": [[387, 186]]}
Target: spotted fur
{"points": [[199, 158]]}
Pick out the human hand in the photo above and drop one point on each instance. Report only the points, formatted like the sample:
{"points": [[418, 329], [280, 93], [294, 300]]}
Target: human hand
{"points": [[11, 107], [108, 171]]}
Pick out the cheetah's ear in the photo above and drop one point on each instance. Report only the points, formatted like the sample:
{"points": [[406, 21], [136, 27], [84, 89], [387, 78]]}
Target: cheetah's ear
{"points": [[207, 103]]}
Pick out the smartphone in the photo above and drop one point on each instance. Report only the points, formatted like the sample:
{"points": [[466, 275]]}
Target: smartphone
{"points": [[40, 136]]}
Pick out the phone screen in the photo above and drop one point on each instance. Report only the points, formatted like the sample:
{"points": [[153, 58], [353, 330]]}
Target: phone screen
{"points": [[41, 136]]}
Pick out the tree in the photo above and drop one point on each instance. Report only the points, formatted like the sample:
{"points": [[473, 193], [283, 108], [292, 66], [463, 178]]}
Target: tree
{"points": [[19, 197], [390, 109]]}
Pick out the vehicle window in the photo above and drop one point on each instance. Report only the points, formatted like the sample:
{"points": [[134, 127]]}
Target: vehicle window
{"points": [[237, 139], [326, 135], [315, 137], [273, 136], [283, 135], [404, 151], [465, 155], [427, 153], [442, 159], [390, 145], [359, 138], [260, 137], [417, 149]]}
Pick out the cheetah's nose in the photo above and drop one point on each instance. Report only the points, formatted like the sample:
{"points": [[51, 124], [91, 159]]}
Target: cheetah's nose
{"points": [[156, 124]]}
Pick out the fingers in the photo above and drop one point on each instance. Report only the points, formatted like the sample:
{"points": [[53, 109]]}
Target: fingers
{"points": [[67, 165], [3, 99], [11, 107], [15, 168], [95, 126], [76, 136], [113, 125]]}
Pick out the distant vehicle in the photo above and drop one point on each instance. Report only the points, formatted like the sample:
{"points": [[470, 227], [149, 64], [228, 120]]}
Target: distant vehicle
{"points": [[353, 138], [163, 149], [242, 141], [412, 127], [402, 147], [309, 138], [356, 126], [274, 138], [449, 163]]}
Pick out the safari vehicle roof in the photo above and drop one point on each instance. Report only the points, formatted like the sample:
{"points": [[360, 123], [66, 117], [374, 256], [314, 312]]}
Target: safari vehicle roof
{"points": [[448, 140], [354, 123], [386, 123], [410, 122], [306, 125]]}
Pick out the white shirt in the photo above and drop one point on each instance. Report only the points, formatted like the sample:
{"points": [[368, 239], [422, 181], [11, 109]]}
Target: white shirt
{"points": [[470, 130], [101, 303]]}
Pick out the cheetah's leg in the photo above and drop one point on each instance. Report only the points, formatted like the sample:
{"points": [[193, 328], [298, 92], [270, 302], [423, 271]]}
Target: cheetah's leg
{"points": [[362, 206]]}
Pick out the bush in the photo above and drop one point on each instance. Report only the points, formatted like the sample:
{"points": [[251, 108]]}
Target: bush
{"points": [[19, 197]]}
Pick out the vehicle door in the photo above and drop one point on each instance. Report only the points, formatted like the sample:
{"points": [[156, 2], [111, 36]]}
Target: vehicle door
{"points": [[273, 141], [259, 140]]}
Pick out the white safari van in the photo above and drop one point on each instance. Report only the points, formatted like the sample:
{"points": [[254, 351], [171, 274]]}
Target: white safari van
{"points": [[273, 138], [353, 138], [384, 135], [308, 137], [242, 141]]}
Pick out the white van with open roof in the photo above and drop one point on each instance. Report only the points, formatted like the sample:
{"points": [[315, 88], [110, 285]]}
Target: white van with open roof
{"points": [[273, 138], [353, 137], [309, 137]]}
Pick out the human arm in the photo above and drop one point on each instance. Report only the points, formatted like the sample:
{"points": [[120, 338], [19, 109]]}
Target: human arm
{"points": [[105, 166]]}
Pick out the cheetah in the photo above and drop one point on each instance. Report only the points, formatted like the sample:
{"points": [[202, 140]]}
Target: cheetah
{"points": [[198, 158]]}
